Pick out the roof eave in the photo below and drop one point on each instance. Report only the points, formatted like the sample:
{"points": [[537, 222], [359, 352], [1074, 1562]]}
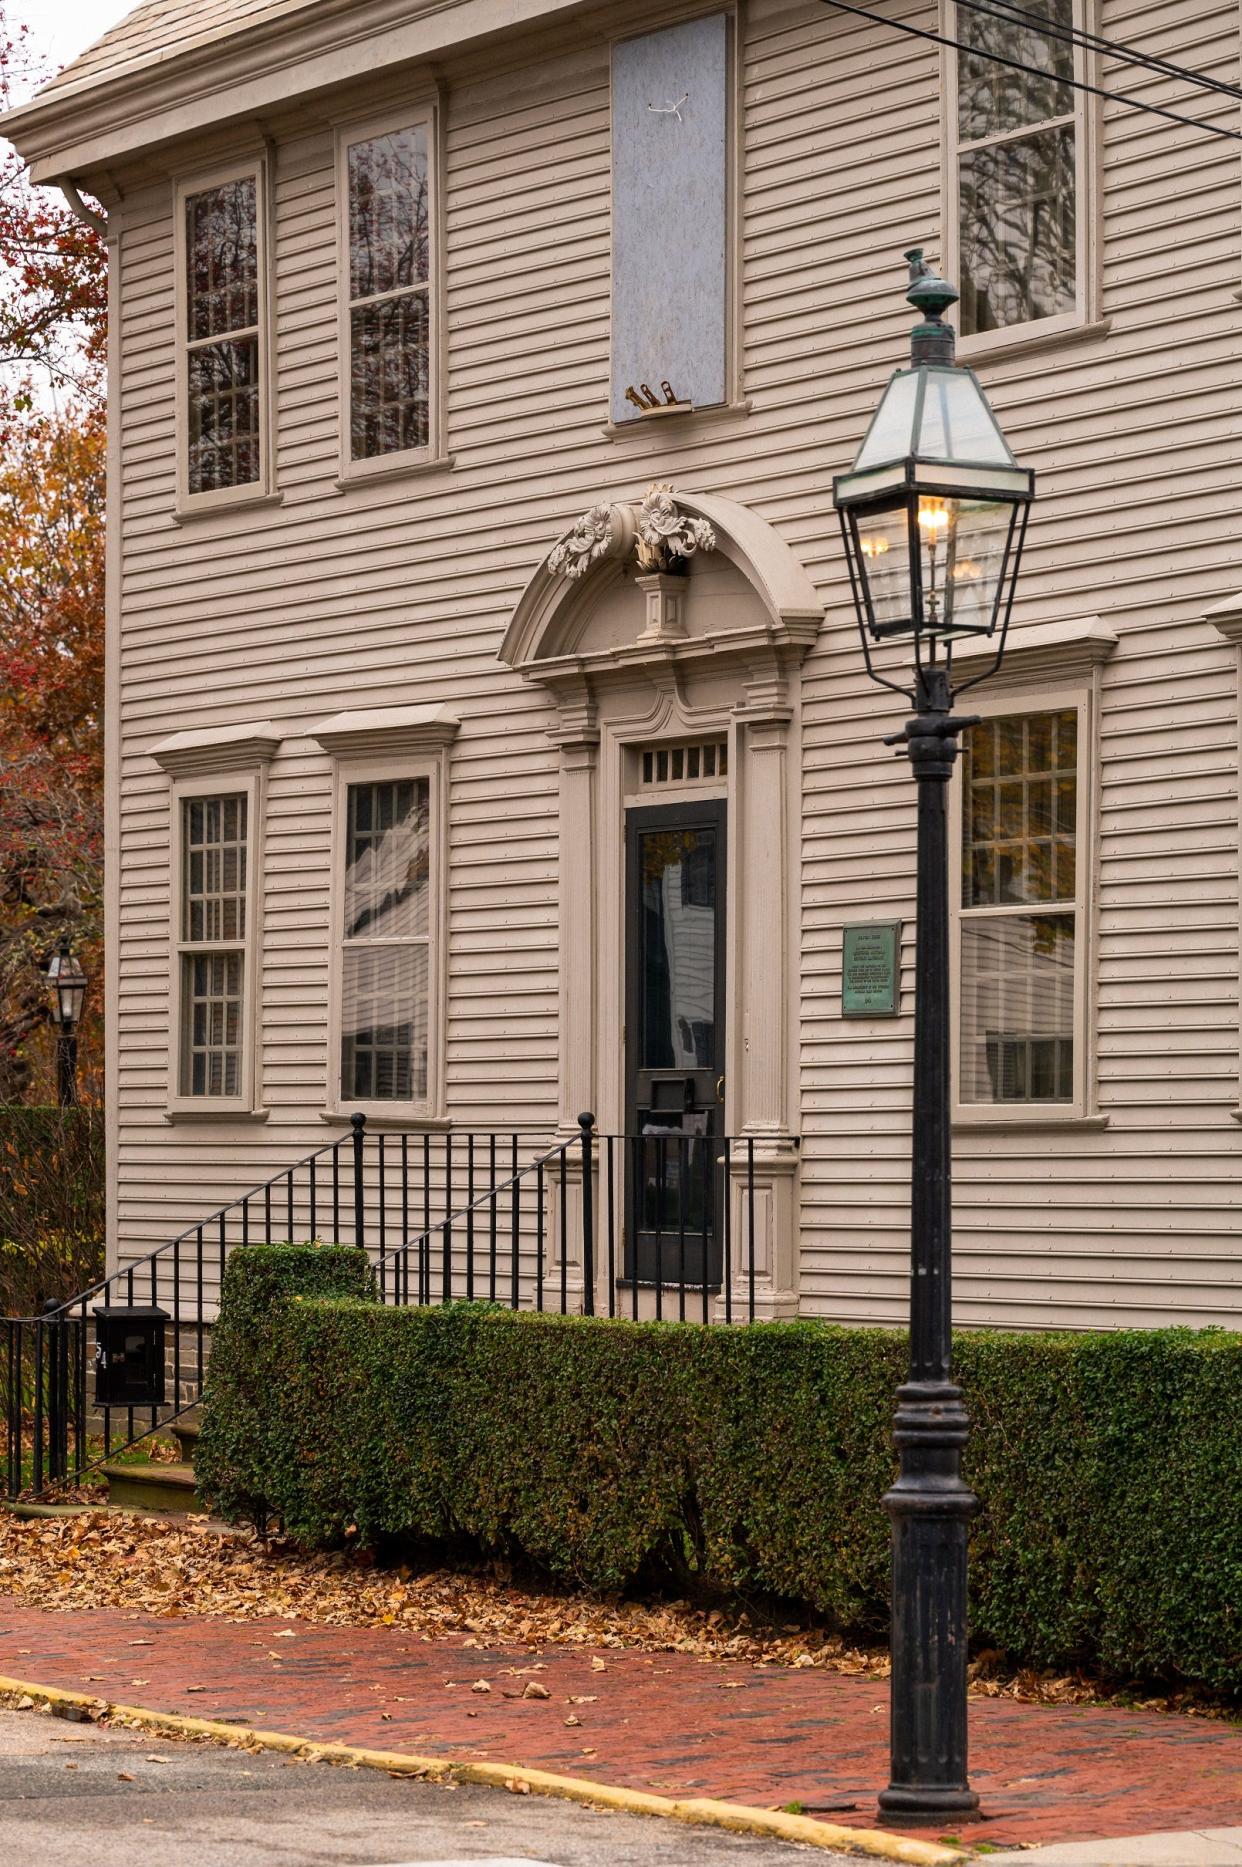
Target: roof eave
{"points": [[86, 127]]}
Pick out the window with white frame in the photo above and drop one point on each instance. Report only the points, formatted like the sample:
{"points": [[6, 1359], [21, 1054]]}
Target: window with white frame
{"points": [[388, 308], [223, 320], [1021, 924], [1019, 168], [213, 938], [385, 976]]}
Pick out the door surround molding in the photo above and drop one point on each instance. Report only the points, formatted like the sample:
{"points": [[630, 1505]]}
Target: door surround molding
{"points": [[737, 677]]}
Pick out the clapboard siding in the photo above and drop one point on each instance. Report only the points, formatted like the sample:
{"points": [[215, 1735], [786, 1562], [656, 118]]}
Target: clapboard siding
{"points": [[400, 591]]}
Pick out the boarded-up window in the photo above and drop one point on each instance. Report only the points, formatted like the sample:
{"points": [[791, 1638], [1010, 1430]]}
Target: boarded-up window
{"points": [[669, 214]]}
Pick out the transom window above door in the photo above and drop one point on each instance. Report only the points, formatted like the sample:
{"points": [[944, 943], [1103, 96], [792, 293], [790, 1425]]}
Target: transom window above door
{"points": [[387, 311], [699, 762]]}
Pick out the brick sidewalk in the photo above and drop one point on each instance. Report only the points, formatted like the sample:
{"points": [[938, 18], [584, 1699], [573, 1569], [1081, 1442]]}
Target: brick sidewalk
{"points": [[671, 1723]]}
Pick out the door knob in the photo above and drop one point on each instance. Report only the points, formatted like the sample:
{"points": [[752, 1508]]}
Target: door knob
{"points": [[720, 1088]]}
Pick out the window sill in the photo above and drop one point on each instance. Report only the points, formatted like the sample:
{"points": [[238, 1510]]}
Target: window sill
{"points": [[1046, 1119], [389, 1120], [188, 512], [649, 425], [347, 482], [999, 346], [190, 1111]]}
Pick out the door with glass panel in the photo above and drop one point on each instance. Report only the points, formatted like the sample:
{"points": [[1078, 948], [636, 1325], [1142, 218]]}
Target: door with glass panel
{"points": [[675, 1041]]}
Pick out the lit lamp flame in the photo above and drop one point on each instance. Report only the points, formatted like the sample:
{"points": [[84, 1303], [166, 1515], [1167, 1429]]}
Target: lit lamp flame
{"points": [[875, 546], [933, 516]]}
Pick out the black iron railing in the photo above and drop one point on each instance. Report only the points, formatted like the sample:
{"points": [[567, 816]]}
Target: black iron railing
{"points": [[656, 1224]]}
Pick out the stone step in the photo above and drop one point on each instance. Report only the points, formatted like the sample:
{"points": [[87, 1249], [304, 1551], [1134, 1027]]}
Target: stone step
{"points": [[151, 1487]]}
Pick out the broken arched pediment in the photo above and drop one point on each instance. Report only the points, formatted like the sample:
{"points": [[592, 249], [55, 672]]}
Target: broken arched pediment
{"points": [[742, 594]]}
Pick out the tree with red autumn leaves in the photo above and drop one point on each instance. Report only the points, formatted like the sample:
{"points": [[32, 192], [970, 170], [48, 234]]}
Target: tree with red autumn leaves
{"points": [[53, 300]]}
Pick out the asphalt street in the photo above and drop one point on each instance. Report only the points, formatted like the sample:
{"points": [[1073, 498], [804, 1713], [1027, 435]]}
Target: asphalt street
{"points": [[78, 1795]]}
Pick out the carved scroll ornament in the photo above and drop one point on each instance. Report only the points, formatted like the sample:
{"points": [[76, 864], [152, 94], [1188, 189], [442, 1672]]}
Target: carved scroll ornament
{"points": [[656, 532]]}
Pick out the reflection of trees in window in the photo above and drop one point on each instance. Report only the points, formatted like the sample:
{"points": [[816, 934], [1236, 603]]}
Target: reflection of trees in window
{"points": [[222, 329], [1016, 171], [388, 290]]}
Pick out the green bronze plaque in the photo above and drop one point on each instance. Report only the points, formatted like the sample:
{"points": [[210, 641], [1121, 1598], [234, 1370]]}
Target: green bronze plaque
{"points": [[869, 962]]}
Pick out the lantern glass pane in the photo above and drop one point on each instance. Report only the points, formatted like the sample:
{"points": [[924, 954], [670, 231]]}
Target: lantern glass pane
{"points": [[957, 424], [975, 548], [884, 555], [890, 436], [962, 552]]}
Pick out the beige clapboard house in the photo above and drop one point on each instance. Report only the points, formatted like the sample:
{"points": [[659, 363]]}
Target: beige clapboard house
{"points": [[456, 779]]}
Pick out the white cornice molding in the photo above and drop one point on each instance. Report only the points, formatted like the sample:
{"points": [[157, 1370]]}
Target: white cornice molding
{"points": [[1226, 618], [1068, 649], [217, 748], [387, 730]]}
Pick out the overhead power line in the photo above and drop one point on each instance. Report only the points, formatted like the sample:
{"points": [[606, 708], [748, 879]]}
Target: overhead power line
{"points": [[1034, 71]]}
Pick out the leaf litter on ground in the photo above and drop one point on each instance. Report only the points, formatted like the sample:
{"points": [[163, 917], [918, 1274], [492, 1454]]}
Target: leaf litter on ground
{"points": [[187, 1566]]}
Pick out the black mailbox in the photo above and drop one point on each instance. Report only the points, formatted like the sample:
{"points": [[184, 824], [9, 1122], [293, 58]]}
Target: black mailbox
{"points": [[129, 1355]]}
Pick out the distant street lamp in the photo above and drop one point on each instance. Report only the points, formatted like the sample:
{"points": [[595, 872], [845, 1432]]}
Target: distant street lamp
{"points": [[934, 515], [68, 983]]}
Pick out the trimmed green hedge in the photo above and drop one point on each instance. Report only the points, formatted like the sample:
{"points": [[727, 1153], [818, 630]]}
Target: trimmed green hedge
{"points": [[1108, 1467]]}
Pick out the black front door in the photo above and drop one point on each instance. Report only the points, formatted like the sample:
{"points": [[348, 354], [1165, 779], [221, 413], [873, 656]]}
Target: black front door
{"points": [[675, 1040]]}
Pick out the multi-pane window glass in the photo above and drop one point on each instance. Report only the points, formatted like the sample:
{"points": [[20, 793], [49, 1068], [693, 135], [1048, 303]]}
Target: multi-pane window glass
{"points": [[213, 935], [222, 334], [1016, 168], [1018, 921], [389, 311], [386, 958]]}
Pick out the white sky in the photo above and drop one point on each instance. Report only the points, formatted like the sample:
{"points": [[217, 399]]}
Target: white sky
{"points": [[60, 29]]}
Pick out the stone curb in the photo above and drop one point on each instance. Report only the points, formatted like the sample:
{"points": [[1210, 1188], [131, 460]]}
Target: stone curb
{"points": [[700, 1810]]}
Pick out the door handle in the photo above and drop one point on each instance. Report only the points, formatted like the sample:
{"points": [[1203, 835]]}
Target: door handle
{"points": [[720, 1088]]}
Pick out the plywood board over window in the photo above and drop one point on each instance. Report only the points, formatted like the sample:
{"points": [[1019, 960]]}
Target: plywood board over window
{"points": [[670, 210]]}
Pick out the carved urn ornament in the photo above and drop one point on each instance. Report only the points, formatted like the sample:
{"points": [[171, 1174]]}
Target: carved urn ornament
{"points": [[657, 533]]}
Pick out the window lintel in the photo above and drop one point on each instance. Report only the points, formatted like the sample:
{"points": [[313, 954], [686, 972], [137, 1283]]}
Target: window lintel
{"points": [[387, 730], [215, 749], [1066, 651]]}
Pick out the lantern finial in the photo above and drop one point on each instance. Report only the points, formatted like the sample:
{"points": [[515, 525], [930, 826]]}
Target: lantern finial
{"points": [[932, 341]]}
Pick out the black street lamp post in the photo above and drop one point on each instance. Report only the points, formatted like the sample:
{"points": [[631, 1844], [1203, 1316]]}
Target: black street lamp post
{"points": [[68, 983], [933, 514]]}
